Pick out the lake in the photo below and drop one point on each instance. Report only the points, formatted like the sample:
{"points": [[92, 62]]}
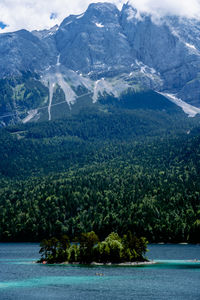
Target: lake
{"points": [[175, 276]]}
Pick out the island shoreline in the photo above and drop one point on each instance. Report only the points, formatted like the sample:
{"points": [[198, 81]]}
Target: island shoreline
{"points": [[124, 264]]}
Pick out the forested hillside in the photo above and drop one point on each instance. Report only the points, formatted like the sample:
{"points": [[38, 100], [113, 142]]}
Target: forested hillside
{"points": [[134, 170], [50, 147]]}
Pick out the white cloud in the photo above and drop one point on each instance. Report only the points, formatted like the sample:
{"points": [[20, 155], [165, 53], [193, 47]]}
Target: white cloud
{"points": [[35, 14], [160, 8]]}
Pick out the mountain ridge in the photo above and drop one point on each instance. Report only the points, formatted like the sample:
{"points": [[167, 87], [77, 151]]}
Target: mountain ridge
{"points": [[102, 52]]}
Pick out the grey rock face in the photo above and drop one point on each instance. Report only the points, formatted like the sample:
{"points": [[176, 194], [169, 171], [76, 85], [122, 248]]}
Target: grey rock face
{"points": [[150, 42], [158, 46], [105, 42], [94, 41], [21, 51], [107, 50]]}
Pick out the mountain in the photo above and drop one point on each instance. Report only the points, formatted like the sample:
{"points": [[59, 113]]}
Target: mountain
{"points": [[120, 152], [99, 57]]}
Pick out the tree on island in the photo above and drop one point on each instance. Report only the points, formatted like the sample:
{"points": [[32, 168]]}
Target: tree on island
{"points": [[88, 249]]}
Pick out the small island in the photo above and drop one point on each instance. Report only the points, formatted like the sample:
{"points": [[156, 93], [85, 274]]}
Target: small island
{"points": [[87, 249]]}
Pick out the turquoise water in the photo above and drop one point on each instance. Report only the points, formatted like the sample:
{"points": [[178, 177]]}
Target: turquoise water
{"points": [[176, 275]]}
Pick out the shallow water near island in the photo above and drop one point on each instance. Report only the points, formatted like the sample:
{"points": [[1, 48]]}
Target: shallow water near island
{"points": [[176, 275]]}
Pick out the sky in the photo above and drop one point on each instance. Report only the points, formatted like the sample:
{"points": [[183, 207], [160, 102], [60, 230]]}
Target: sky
{"points": [[41, 14]]}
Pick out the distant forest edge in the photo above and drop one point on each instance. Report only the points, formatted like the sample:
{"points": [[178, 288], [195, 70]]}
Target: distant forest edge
{"points": [[133, 170]]}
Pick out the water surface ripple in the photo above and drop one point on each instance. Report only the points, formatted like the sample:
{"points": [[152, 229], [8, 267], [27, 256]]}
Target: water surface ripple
{"points": [[176, 275]]}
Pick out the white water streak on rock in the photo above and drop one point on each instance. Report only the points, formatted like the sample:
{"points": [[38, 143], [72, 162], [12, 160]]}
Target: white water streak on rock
{"points": [[51, 89]]}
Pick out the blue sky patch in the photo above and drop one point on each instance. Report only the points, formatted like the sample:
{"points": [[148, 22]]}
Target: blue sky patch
{"points": [[2, 25], [53, 16]]}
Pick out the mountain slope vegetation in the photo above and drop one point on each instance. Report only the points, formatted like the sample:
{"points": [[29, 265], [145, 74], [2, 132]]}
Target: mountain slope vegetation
{"points": [[132, 170]]}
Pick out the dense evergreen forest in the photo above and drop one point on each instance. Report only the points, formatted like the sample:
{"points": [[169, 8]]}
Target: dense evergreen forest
{"points": [[128, 170]]}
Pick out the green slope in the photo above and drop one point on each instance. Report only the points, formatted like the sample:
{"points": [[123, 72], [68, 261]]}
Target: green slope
{"points": [[111, 171]]}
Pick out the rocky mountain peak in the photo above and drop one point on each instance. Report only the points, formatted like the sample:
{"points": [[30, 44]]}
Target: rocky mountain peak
{"points": [[104, 51], [106, 12]]}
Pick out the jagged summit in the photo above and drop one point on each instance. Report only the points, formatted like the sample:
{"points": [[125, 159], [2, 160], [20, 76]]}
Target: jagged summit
{"points": [[102, 7]]}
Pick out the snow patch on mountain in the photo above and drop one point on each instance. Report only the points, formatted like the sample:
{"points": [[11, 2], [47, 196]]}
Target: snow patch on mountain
{"points": [[99, 25], [190, 46], [80, 16], [144, 68], [68, 23], [190, 110]]}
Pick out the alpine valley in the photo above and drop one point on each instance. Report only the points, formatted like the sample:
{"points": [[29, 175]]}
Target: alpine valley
{"points": [[100, 127]]}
